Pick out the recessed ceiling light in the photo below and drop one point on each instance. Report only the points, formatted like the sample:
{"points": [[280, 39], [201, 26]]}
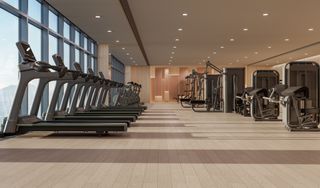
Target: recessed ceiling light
{"points": [[204, 60], [98, 16], [131, 58], [185, 14], [177, 40], [169, 63], [310, 29], [172, 52], [256, 53], [180, 29], [170, 60], [171, 57], [269, 47], [265, 14], [214, 52], [221, 47], [287, 40], [209, 57], [109, 31], [123, 48], [133, 61], [174, 47], [245, 29], [117, 41], [232, 39], [128, 53], [199, 63]]}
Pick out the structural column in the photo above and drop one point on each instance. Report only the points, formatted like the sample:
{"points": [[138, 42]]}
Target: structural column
{"points": [[103, 60], [127, 76]]}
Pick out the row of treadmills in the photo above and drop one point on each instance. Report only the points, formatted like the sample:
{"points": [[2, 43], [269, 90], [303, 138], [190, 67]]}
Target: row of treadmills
{"points": [[77, 103]]}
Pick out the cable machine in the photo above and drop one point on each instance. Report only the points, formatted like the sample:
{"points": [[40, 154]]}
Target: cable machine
{"points": [[209, 90]]}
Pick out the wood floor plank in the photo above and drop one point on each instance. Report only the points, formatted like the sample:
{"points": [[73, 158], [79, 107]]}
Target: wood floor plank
{"points": [[169, 147]]}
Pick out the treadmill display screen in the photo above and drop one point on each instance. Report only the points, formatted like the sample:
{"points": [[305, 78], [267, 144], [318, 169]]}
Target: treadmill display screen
{"points": [[90, 71], [78, 67], [58, 60], [26, 52]]}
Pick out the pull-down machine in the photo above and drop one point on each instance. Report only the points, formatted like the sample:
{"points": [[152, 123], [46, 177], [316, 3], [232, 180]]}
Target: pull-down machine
{"points": [[261, 109], [301, 99], [209, 90]]}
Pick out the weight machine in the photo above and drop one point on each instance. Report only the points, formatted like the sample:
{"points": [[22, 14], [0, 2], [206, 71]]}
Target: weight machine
{"points": [[189, 92], [301, 98], [261, 109], [209, 90]]}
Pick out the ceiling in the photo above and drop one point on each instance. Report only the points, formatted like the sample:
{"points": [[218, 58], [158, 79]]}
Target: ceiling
{"points": [[210, 25], [82, 13]]}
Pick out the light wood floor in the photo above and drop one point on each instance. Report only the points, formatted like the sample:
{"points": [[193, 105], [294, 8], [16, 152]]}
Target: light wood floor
{"points": [[167, 147]]}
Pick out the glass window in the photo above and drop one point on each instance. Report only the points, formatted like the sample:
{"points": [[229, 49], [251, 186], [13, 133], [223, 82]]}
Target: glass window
{"points": [[85, 63], [77, 56], [53, 48], [34, 10], [9, 35], [92, 48], [117, 70], [93, 65], [66, 30], [85, 43], [14, 3], [53, 21], [77, 37], [52, 86], [66, 55], [34, 36]]}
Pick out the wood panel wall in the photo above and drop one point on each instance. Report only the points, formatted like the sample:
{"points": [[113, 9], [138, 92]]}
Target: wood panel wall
{"points": [[157, 79], [141, 75]]}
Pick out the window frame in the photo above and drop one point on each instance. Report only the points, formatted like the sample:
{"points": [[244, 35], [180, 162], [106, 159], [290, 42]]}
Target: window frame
{"points": [[24, 19]]}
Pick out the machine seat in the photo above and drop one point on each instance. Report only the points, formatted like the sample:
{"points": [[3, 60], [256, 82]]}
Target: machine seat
{"points": [[199, 102], [259, 91], [297, 91], [185, 100]]}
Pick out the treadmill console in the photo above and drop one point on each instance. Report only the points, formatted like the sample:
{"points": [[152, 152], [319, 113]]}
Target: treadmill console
{"points": [[26, 52], [90, 71], [101, 75], [77, 66], [58, 60]]}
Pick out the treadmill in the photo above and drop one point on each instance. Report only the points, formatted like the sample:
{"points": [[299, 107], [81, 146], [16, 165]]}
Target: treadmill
{"points": [[77, 100], [97, 106], [71, 78], [102, 107], [96, 97], [134, 89], [30, 69]]}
